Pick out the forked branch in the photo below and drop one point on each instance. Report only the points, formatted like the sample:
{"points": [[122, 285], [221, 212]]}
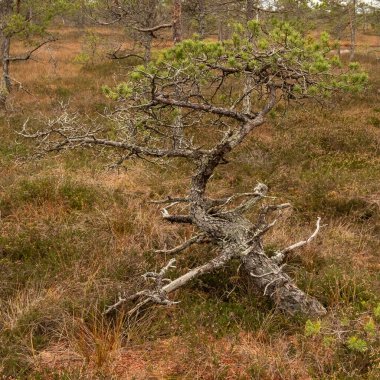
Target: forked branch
{"points": [[29, 54], [159, 294]]}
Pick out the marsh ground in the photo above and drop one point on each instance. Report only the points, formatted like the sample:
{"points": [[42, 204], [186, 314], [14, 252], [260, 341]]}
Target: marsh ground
{"points": [[73, 233]]}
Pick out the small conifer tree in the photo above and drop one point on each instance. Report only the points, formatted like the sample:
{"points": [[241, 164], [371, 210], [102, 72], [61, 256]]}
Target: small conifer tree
{"points": [[206, 82]]}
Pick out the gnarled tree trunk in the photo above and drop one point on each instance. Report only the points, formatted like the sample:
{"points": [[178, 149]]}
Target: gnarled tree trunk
{"points": [[235, 236]]}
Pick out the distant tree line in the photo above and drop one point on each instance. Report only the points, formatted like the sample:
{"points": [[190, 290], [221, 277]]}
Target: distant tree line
{"points": [[146, 20]]}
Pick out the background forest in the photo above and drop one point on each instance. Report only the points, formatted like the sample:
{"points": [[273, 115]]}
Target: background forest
{"points": [[79, 227]]}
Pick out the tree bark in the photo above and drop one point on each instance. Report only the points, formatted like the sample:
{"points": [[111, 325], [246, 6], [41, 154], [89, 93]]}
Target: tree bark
{"points": [[202, 18], [18, 6], [239, 238], [5, 49], [220, 31], [250, 10], [279, 287], [353, 29], [177, 21], [147, 47], [6, 8]]}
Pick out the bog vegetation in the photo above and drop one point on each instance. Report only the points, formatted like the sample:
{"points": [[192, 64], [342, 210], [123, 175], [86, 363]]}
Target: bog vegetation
{"points": [[110, 136]]}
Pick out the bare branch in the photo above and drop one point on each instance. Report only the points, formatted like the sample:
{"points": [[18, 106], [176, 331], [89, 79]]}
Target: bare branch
{"points": [[262, 225], [162, 99], [200, 238], [281, 255], [114, 55], [28, 55], [259, 193], [268, 273], [154, 28], [160, 295], [66, 141], [159, 277], [186, 219], [169, 199]]}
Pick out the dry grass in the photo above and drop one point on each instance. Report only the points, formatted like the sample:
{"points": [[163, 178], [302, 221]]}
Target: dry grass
{"points": [[72, 234]]}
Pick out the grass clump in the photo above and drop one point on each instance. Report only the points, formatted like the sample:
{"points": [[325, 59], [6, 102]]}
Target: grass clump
{"points": [[38, 191]]}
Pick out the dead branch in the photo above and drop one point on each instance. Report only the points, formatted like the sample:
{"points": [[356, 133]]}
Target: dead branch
{"points": [[114, 55], [159, 295], [280, 256], [29, 54], [259, 193], [200, 238], [90, 140], [185, 219], [170, 199], [154, 28]]}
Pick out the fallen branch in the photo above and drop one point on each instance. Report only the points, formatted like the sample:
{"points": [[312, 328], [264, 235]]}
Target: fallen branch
{"points": [[159, 295]]}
